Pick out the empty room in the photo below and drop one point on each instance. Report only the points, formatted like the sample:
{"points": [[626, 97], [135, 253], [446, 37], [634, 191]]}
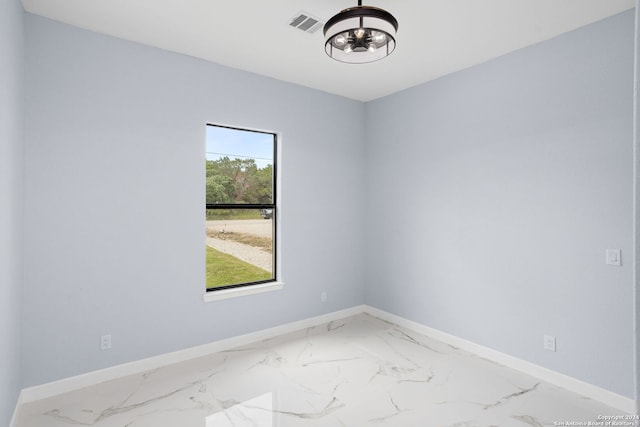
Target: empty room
{"points": [[318, 213]]}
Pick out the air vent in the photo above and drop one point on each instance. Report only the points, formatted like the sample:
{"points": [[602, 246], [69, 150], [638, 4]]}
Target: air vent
{"points": [[306, 22]]}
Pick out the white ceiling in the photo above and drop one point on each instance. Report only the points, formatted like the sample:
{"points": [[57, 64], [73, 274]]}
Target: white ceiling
{"points": [[435, 37]]}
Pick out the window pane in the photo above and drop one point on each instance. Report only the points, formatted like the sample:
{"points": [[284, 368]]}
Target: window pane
{"points": [[239, 246], [239, 166]]}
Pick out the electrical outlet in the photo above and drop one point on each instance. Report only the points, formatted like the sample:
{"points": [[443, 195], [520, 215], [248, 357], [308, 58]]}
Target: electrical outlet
{"points": [[105, 342], [549, 343], [323, 296]]}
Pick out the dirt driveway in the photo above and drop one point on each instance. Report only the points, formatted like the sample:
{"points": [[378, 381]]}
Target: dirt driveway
{"points": [[257, 227]]}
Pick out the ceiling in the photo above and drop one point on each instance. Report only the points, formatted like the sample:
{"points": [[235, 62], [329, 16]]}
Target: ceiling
{"points": [[435, 37]]}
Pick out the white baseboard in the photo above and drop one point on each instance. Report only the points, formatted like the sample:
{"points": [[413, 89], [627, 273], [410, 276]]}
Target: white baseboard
{"points": [[65, 385], [44, 391], [19, 403], [607, 397]]}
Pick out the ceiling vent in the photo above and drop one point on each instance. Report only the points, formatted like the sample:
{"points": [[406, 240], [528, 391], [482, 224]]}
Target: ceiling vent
{"points": [[306, 22]]}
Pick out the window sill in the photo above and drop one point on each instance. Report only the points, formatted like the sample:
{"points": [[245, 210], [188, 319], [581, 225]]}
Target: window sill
{"points": [[239, 292]]}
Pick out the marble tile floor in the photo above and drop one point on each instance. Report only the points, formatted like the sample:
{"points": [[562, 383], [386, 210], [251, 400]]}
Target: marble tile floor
{"points": [[361, 371]]}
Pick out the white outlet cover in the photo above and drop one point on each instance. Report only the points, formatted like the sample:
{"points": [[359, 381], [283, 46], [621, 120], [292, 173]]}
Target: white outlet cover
{"points": [[549, 343], [105, 342]]}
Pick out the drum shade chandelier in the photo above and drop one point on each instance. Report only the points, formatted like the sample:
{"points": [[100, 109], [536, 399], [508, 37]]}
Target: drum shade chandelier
{"points": [[360, 34]]}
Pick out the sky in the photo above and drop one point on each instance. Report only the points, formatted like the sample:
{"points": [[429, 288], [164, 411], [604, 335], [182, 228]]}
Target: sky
{"points": [[237, 143]]}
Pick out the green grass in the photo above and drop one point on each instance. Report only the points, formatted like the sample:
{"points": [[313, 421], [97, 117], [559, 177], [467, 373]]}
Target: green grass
{"points": [[224, 269]]}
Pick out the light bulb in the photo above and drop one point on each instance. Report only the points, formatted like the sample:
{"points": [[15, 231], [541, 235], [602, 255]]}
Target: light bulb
{"points": [[379, 37], [359, 33], [372, 47], [340, 40], [348, 49]]}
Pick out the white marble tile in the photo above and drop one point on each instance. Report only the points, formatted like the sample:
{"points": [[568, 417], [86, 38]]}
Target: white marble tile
{"points": [[358, 372]]}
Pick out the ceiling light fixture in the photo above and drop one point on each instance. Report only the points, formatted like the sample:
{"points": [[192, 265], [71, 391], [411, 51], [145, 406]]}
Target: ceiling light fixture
{"points": [[360, 34]]}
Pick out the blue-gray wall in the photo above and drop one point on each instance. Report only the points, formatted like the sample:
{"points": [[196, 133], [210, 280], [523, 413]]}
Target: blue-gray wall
{"points": [[11, 70], [114, 186], [496, 191]]}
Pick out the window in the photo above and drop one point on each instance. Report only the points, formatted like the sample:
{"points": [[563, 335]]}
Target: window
{"points": [[240, 208]]}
